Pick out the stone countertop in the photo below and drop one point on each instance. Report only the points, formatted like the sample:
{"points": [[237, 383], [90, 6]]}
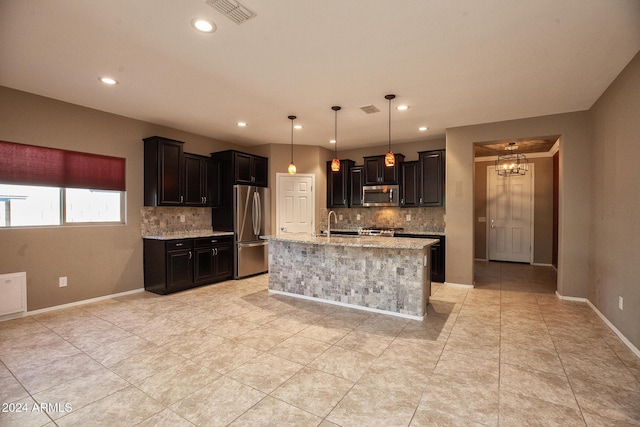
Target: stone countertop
{"points": [[412, 232], [189, 235], [355, 241]]}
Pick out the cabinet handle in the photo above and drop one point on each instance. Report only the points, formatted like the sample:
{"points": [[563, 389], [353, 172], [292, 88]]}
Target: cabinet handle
{"points": [[214, 241], [181, 199], [420, 200], [190, 255], [216, 251], [204, 199], [213, 251], [179, 244], [402, 201]]}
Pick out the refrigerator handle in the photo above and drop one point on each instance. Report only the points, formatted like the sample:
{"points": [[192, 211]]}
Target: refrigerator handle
{"points": [[254, 212], [259, 209]]}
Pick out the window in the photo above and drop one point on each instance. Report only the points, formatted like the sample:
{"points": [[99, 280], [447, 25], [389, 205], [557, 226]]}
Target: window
{"points": [[24, 206], [42, 186]]}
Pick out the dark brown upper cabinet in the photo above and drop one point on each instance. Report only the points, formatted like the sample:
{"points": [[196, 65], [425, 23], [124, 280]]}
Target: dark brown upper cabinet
{"points": [[423, 180], [163, 172], [410, 186], [338, 190], [375, 172], [356, 181], [432, 177], [199, 180], [243, 168]]}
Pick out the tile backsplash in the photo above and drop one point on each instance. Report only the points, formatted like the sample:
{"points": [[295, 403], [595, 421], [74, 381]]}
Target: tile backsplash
{"points": [[165, 221], [422, 219]]}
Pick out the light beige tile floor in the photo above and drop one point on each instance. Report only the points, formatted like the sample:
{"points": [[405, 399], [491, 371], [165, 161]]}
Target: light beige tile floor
{"points": [[505, 353]]}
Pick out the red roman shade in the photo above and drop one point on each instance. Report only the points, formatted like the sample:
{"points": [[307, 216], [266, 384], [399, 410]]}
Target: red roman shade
{"points": [[32, 165]]}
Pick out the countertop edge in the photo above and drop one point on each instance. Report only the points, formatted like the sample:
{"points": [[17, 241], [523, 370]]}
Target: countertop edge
{"points": [[357, 241]]}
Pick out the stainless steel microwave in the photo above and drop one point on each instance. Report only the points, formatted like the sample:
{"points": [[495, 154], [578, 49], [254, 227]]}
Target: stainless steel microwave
{"points": [[380, 195]]}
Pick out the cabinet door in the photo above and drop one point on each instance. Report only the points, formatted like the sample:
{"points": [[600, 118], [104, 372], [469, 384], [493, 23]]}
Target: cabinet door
{"points": [[356, 181], [194, 182], [410, 184], [214, 183], [179, 268], [170, 173], [260, 171], [223, 262], [372, 171], [204, 259], [432, 178], [437, 263], [337, 186], [243, 173]]}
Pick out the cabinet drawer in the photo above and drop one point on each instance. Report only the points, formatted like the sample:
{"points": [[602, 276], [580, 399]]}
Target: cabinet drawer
{"points": [[211, 241], [179, 244]]}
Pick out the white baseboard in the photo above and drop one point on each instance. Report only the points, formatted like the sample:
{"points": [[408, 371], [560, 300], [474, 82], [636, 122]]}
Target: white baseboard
{"points": [[624, 339], [343, 304], [74, 304], [540, 264], [611, 326], [481, 259]]}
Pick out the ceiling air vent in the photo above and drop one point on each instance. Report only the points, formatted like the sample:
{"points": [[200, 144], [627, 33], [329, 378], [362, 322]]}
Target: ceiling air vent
{"points": [[232, 9], [370, 109]]}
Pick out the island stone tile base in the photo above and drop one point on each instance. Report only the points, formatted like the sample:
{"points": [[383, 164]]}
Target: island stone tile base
{"points": [[393, 281]]}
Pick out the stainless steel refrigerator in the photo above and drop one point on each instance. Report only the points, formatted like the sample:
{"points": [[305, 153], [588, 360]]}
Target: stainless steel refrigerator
{"points": [[251, 220]]}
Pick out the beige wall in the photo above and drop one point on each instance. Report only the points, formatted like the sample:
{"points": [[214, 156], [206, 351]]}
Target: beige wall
{"points": [[542, 214], [574, 203], [409, 149], [98, 260], [615, 227]]}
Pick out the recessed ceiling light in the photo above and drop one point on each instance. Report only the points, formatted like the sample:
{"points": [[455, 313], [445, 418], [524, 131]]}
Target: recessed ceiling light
{"points": [[242, 124], [203, 25], [422, 128], [402, 107], [332, 141], [110, 81], [298, 126]]}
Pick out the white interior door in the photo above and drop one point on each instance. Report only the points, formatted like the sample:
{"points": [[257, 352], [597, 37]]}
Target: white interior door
{"points": [[295, 203], [510, 216]]}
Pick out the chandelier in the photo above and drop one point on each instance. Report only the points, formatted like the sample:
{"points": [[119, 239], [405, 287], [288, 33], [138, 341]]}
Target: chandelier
{"points": [[512, 163]]}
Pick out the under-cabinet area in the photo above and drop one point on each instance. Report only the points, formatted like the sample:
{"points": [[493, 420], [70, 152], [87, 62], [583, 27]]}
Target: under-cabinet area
{"points": [[172, 265]]}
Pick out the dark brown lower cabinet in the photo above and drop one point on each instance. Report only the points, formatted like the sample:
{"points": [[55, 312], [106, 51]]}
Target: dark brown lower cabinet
{"points": [[179, 264]]}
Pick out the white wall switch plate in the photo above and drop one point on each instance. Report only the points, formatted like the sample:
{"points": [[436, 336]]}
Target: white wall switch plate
{"points": [[620, 303], [358, 217], [62, 281], [181, 218], [482, 219], [340, 217], [407, 217]]}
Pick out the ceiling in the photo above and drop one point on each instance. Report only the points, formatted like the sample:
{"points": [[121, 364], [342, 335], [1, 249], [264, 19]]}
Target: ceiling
{"points": [[454, 62], [523, 145]]}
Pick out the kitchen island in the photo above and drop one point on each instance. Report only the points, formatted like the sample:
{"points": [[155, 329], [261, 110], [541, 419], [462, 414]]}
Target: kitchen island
{"points": [[380, 274]]}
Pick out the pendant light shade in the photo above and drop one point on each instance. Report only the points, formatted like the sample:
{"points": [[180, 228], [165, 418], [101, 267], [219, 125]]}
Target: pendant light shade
{"points": [[335, 163], [513, 163], [389, 158], [292, 167]]}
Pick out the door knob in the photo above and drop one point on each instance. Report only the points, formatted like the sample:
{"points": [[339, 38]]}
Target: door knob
{"points": [[493, 225]]}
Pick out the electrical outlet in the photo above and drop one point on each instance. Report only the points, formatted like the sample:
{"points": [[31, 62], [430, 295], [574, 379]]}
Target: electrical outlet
{"points": [[621, 303], [358, 217], [181, 218], [62, 281], [340, 217], [408, 217]]}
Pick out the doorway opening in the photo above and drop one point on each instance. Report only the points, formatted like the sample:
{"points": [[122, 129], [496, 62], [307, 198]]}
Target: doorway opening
{"points": [[516, 220]]}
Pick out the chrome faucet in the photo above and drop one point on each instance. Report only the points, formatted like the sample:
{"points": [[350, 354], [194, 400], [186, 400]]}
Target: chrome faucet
{"points": [[335, 219]]}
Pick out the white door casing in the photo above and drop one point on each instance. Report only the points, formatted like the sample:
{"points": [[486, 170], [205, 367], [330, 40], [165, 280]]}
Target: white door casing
{"points": [[510, 225], [295, 207]]}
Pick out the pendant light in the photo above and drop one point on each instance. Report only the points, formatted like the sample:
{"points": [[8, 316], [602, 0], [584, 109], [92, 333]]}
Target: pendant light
{"points": [[512, 163], [292, 167], [335, 163], [389, 158]]}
